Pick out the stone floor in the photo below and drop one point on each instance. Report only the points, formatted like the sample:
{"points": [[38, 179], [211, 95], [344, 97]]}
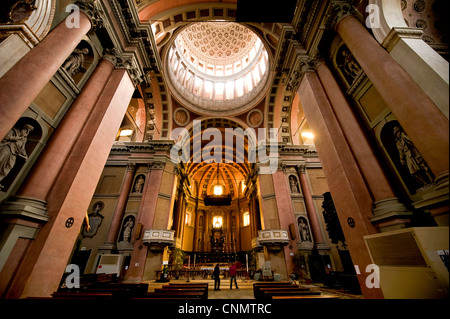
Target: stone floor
{"points": [[245, 290]]}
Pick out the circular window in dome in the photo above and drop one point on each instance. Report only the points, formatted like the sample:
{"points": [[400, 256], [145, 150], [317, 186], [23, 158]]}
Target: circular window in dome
{"points": [[217, 68]]}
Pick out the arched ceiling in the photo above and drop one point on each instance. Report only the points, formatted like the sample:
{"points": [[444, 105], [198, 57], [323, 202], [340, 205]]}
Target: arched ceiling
{"points": [[169, 18], [206, 174]]}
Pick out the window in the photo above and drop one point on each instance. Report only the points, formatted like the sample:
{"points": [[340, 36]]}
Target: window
{"points": [[218, 190], [246, 218], [188, 218], [217, 221]]}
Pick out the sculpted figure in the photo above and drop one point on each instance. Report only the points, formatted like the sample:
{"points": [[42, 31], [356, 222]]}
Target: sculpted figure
{"points": [[11, 146]]}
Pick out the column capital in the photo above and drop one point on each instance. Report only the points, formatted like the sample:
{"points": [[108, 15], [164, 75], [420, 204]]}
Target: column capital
{"points": [[92, 10], [301, 169], [131, 167], [157, 165], [303, 64], [122, 61], [339, 9], [282, 167]]}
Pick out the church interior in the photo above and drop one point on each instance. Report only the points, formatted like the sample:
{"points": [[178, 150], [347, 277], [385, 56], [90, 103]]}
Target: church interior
{"points": [[299, 140]]}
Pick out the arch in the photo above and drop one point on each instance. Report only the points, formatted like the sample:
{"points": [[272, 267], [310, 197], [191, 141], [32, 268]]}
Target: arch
{"points": [[391, 16], [425, 65]]}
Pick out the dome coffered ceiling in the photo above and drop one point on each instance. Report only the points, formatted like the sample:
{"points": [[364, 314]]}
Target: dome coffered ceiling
{"points": [[217, 68], [218, 43]]}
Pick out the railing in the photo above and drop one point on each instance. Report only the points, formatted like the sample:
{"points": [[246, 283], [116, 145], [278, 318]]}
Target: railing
{"points": [[158, 237], [273, 237]]}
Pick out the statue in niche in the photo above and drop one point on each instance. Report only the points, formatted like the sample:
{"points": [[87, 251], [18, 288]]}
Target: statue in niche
{"points": [[294, 185], [305, 234], [348, 64], [127, 228], [411, 158], [139, 184], [11, 146], [94, 220], [74, 63]]}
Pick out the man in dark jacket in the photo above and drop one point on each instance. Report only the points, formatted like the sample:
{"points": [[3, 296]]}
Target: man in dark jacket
{"points": [[216, 277]]}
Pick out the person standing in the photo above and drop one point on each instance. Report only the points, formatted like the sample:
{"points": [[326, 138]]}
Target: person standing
{"points": [[233, 274], [216, 277]]}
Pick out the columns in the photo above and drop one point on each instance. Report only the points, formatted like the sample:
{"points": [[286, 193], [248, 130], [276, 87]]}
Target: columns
{"points": [[111, 238], [426, 125], [41, 268], [285, 215], [388, 210], [25, 80], [347, 186], [196, 227], [237, 234], [40, 180], [310, 207], [145, 218], [229, 241], [206, 243]]}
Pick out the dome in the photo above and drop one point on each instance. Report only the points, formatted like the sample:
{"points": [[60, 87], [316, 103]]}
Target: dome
{"points": [[217, 67]]}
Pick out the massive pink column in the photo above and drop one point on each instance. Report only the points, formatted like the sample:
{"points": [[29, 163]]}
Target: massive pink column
{"points": [[352, 199], [309, 204], [120, 207], [388, 209], [41, 179], [425, 124], [285, 215], [41, 269], [145, 219], [25, 80]]}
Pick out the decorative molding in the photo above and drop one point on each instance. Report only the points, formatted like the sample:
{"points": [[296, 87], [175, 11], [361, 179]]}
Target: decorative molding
{"points": [[301, 169], [93, 11], [22, 30], [157, 165], [398, 33], [339, 9], [131, 167]]}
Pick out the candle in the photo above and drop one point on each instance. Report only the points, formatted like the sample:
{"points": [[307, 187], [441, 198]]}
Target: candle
{"points": [[194, 260], [189, 262]]}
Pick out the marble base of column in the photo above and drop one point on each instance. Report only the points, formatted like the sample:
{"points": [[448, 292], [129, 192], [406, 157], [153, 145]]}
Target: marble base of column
{"points": [[442, 182], [321, 246], [28, 208], [108, 247], [390, 214]]}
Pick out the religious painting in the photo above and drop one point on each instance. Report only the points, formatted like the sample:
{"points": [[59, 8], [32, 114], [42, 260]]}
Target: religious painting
{"points": [[15, 148], [408, 162], [347, 64], [127, 229], [95, 220]]}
